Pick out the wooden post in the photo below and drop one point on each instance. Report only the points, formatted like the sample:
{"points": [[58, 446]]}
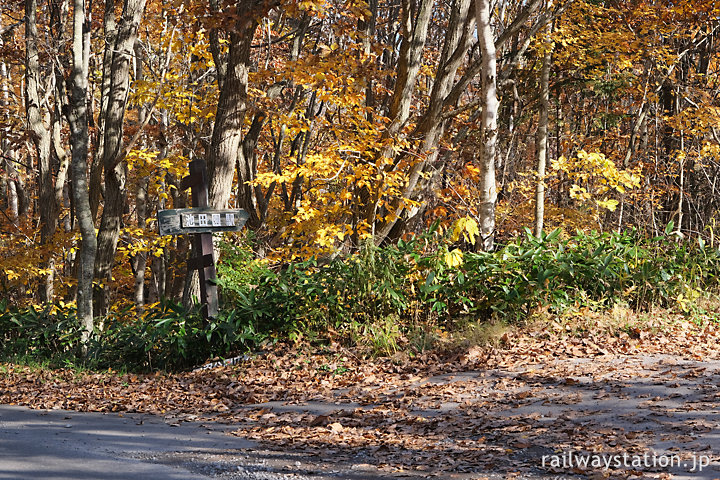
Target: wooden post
{"points": [[200, 221], [204, 261]]}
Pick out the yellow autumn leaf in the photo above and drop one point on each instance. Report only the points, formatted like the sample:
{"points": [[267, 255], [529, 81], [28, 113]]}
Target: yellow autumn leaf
{"points": [[607, 203], [468, 228], [579, 193], [454, 258]]}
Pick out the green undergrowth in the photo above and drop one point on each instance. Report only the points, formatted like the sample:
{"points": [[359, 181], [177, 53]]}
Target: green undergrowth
{"points": [[167, 337], [410, 297], [414, 291]]}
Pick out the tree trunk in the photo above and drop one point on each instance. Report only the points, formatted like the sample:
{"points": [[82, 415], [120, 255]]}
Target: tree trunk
{"points": [[249, 197], [215, 48], [8, 185], [542, 131], [141, 204], [488, 126], [78, 120], [230, 117], [41, 137], [113, 157], [414, 32], [15, 190], [13, 200], [96, 171]]}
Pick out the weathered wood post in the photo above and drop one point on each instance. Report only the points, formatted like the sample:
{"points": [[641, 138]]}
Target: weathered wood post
{"points": [[200, 221], [204, 262]]}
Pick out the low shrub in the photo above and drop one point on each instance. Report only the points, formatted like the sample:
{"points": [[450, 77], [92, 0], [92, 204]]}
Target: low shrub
{"points": [[379, 297], [168, 337], [50, 332], [425, 279]]}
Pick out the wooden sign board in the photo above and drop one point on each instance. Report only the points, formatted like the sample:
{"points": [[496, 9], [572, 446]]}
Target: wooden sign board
{"points": [[183, 221]]}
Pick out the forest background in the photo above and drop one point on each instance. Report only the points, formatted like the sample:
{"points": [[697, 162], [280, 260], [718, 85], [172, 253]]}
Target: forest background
{"points": [[401, 162]]}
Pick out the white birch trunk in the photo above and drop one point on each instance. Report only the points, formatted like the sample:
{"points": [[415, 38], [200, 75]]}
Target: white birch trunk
{"points": [[542, 130], [488, 126]]}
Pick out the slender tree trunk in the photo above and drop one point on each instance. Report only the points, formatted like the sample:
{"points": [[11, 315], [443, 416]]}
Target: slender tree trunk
{"points": [[431, 125], [11, 177], [17, 196], [96, 171], [140, 259], [12, 195], [141, 206], [8, 185], [250, 197], [681, 193], [113, 155], [79, 140], [415, 21], [215, 48], [41, 137], [63, 160], [488, 126], [17, 202], [542, 131]]}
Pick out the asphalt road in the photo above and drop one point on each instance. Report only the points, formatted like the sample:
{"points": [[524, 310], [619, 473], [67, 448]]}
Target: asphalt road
{"points": [[59, 445], [65, 445]]}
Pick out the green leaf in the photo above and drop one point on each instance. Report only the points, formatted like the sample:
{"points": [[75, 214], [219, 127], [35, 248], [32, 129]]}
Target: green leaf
{"points": [[553, 235], [669, 227]]}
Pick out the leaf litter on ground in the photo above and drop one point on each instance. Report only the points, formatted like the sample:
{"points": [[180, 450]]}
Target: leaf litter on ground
{"points": [[497, 409]]}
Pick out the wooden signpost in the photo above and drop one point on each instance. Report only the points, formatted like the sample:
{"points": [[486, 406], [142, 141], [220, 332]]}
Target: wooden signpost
{"points": [[200, 221]]}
